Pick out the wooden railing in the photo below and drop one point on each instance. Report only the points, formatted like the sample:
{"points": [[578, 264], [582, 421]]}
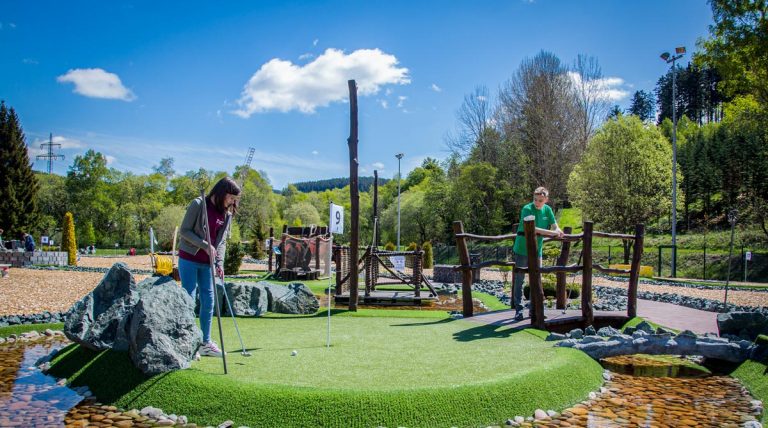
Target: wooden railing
{"points": [[534, 269]]}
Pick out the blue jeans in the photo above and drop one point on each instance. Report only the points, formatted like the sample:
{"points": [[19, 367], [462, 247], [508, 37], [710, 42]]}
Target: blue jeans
{"points": [[517, 288], [192, 275]]}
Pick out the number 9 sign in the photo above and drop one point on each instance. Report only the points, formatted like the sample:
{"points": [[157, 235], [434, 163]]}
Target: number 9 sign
{"points": [[337, 219]]}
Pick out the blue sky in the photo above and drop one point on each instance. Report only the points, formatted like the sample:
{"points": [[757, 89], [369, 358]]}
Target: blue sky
{"points": [[203, 81]]}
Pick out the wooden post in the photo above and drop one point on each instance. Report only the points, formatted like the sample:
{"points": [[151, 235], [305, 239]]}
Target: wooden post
{"points": [[586, 281], [354, 196], [317, 253], [534, 275], [337, 250], [561, 292], [281, 258], [376, 236], [466, 273], [417, 262], [368, 262], [271, 243], [634, 274]]}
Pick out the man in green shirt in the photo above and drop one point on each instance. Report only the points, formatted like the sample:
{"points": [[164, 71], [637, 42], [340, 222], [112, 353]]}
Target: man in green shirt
{"points": [[544, 220]]}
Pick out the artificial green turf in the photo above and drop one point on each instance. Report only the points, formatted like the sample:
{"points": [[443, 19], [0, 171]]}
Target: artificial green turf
{"points": [[23, 328], [754, 375], [378, 371]]}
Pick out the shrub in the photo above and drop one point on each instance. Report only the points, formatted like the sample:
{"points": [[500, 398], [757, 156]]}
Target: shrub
{"points": [[551, 287], [429, 256], [68, 242], [411, 247], [233, 259], [389, 246], [257, 249]]}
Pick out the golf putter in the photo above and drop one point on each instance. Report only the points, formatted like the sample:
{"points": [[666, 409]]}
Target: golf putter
{"points": [[231, 312]]}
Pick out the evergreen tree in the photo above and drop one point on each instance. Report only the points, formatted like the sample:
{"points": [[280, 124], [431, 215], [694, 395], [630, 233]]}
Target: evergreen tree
{"points": [[68, 242], [642, 105], [18, 184]]}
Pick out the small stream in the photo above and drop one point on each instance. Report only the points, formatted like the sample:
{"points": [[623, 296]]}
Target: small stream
{"points": [[640, 391]]}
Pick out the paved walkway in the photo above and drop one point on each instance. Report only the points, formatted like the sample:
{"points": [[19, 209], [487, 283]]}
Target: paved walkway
{"points": [[665, 314]]}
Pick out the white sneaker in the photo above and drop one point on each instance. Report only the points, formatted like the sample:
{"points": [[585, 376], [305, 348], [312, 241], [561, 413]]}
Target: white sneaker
{"points": [[210, 350]]}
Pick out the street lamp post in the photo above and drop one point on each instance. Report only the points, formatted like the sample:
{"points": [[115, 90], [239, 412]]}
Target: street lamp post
{"points": [[398, 156], [670, 59]]}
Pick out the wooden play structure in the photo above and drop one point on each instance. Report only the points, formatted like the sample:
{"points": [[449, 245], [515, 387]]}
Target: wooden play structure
{"points": [[302, 253], [380, 271], [534, 269]]}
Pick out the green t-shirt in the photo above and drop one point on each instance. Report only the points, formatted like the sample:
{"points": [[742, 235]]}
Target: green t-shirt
{"points": [[545, 218]]}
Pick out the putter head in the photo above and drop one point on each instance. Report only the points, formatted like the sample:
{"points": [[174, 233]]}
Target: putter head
{"points": [[245, 353]]}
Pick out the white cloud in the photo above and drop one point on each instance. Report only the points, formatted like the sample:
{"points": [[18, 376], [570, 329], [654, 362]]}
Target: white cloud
{"points": [[400, 100], [306, 56], [314, 42], [607, 88], [315, 152], [436, 88], [110, 159], [283, 86], [388, 92], [384, 104], [481, 98], [97, 83], [29, 61], [377, 166]]}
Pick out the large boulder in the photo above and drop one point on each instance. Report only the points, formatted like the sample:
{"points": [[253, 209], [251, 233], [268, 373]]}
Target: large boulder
{"points": [[163, 332], [296, 298], [98, 320], [247, 298], [746, 325]]}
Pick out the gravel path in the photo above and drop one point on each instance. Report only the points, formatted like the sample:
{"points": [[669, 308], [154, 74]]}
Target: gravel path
{"points": [[32, 291]]}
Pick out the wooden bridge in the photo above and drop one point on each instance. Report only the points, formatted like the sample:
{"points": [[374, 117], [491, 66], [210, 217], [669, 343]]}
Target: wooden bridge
{"points": [[534, 269]]}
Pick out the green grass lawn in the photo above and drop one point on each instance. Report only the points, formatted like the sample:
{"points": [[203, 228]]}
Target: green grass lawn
{"points": [[18, 329], [754, 375], [390, 368]]}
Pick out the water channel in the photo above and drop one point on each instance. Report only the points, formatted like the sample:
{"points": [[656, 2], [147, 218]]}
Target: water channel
{"points": [[640, 392]]}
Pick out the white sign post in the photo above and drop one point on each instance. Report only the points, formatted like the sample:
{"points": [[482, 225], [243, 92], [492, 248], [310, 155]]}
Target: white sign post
{"points": [[336, 225], [44, 240], [747, 259]]}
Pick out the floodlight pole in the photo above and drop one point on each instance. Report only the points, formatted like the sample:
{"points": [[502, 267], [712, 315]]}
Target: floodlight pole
{"points": [[398, 156], [670, 59]]}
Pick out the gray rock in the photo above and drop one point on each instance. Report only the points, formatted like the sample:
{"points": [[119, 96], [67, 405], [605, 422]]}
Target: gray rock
{"points": [[646, 327], [296, 298], [576, 333], [749, 324], [608, 332], [247, 298], [163, 332], [590, 331], [98, 321], [555, 336], [591, 339]]}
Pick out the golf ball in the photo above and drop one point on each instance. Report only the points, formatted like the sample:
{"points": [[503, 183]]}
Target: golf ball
{"points": [[294, 353]]}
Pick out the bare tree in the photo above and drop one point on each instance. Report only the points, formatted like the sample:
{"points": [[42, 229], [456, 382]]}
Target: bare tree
{"points": [[473, 118], [589, 90], [539, 111]]}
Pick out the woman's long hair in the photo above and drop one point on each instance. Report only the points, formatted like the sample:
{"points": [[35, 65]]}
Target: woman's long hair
{"points": [[220, 190]]}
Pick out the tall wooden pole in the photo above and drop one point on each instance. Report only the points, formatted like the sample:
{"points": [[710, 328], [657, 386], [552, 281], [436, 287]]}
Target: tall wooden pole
{"points": [[466, 274], [587, 310], [534, 275], [634, 273], [375, 207], [354, 195], [271, 243], [561, 292]]}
